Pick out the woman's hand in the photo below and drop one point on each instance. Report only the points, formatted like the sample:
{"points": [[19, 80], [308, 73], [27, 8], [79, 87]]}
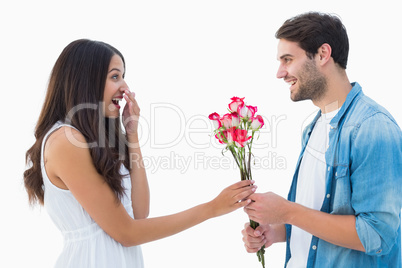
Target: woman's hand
{"points": [[232, 198], [131, 113]]}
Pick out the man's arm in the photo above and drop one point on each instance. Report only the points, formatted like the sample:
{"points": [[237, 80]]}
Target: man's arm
{"points": [[269, 208]]}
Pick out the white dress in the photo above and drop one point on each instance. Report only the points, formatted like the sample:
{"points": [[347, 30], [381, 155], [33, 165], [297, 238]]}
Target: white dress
{"points": [[86, 245]]}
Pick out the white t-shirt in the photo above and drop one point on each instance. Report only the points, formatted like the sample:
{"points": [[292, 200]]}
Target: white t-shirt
{"points": [[310, 189]]}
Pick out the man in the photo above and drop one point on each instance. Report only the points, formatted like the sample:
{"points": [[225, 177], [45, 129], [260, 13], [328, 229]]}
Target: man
{"points": [[344, 204]]}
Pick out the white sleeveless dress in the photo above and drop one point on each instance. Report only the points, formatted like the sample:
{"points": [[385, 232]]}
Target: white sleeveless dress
{"points": [[86, 245]]}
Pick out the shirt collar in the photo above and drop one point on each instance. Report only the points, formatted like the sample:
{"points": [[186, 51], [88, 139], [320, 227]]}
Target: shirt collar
{"points": [[356, 90]]}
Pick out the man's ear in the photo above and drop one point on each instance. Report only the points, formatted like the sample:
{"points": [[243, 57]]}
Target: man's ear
{"points": [[324, 53]]}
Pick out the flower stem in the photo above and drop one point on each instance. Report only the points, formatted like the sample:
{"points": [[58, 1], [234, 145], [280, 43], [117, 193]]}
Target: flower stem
{"points": [[260, 253], [235, 156]]}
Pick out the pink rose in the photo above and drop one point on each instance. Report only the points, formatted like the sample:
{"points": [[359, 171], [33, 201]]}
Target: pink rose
{"points": [[247, 111], [235, 119], [231, 135], [220, 137], [226, 120], [241, 137], [236, 102], [215, 120], [227, 136], [257, 122], [230, 120]]}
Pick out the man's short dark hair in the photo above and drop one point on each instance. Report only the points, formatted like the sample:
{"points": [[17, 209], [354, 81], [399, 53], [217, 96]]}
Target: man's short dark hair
{"points": [[311, 30]]}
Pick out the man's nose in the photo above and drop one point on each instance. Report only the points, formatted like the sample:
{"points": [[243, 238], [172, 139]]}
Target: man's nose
{"points": [[281, 72]]}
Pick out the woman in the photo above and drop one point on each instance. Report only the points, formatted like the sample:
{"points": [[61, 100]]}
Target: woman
{"points": [[89, 174]]}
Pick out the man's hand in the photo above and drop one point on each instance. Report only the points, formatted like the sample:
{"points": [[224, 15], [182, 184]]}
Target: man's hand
{"points": [[262, 235], [272, 209], [268, 208]]}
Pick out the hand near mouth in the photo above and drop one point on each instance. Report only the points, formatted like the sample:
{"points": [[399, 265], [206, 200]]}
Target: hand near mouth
{"points": [[131, 113]]}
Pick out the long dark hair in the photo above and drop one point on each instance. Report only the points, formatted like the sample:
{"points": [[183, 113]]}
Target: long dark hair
{"points": [[75, 94], [311, 30]]}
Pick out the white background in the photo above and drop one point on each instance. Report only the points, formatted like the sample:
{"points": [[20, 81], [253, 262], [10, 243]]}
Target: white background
{"points": [[194, 56]]}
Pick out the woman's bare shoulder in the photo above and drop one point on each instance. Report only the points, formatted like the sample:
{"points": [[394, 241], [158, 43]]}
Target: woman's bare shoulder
{"points": [[66, 137], [65, 151]]}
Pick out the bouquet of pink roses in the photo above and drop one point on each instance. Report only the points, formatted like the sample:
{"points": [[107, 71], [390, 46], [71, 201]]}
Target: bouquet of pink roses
{"points": [[236, 130]]}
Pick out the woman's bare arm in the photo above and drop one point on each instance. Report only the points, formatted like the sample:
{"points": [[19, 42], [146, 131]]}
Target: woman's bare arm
{"points": [[73, 166]]}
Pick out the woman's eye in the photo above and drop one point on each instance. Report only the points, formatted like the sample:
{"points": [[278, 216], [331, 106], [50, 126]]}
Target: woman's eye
{"points": [[115, 76]]}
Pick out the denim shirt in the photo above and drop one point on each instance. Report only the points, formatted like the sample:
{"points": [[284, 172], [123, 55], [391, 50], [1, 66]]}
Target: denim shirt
{"points": [[363, 178]]}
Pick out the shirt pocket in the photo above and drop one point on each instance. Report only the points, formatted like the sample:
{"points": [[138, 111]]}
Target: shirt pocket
{"points": [[341, 171], [342, 191]]}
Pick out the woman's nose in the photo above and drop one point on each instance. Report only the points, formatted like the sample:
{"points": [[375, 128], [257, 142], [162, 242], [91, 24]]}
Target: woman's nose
{"points": [[124, 86]]}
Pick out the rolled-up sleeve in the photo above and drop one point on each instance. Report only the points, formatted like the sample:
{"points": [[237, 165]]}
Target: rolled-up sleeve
{"points": [[376, 182]]}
